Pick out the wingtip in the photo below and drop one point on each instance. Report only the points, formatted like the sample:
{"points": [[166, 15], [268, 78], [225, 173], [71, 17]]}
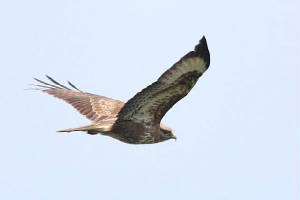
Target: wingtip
{"points": [[202, 43], [49, 77], [202, 50]]}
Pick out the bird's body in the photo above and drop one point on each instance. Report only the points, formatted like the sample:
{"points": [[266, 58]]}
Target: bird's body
{"points": [[138, 120]]}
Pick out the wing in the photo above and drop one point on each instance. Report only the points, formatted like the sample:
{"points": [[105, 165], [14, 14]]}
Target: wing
{"points": [[151, 104], [94, 107]]}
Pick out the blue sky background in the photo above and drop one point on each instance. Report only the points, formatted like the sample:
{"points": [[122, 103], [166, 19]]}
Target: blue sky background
{"points": [[238, 129]]}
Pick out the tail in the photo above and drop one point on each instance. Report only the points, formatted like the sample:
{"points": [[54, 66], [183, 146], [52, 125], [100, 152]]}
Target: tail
{"points": [[91, 129]]}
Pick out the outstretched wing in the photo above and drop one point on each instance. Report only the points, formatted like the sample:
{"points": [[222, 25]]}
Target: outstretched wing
{"points": [[94, 107], [151, 104]]}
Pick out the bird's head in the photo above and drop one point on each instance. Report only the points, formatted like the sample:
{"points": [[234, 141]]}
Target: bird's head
{"points": [[167, 133]]}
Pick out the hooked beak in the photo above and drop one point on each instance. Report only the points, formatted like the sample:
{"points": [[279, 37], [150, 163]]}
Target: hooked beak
{"points": [[174, 136]]}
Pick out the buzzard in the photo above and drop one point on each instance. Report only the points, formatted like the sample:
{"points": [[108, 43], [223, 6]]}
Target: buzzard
{"points": [[138, 120]]}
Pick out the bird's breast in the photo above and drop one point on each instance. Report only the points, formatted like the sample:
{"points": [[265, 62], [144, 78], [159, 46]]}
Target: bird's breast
{"points": [[133, 132]]}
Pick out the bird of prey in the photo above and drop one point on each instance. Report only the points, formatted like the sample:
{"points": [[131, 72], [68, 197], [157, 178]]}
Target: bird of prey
{"points": [[138, 120]]}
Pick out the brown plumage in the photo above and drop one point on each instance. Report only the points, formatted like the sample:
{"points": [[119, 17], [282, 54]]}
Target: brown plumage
{"points": [[138, 120]]}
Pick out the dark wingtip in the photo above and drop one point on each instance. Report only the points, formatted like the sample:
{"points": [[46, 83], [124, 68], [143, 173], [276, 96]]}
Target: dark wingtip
{"points": [[202, 51], [53, 84], [203, 39]]}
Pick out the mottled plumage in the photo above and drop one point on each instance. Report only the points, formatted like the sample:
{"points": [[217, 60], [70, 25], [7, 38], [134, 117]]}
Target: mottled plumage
{"points": [[138, 120]]}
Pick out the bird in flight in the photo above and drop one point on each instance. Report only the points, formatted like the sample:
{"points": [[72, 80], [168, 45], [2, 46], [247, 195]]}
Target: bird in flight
{"points": [[138, 120]]}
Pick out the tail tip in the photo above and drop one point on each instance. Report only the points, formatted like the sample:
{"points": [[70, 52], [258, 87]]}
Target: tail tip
{"points": [[63, 131]]}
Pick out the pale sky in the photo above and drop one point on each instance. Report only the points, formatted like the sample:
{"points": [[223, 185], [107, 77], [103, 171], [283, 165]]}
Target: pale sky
{"points": [[238, 129]]}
